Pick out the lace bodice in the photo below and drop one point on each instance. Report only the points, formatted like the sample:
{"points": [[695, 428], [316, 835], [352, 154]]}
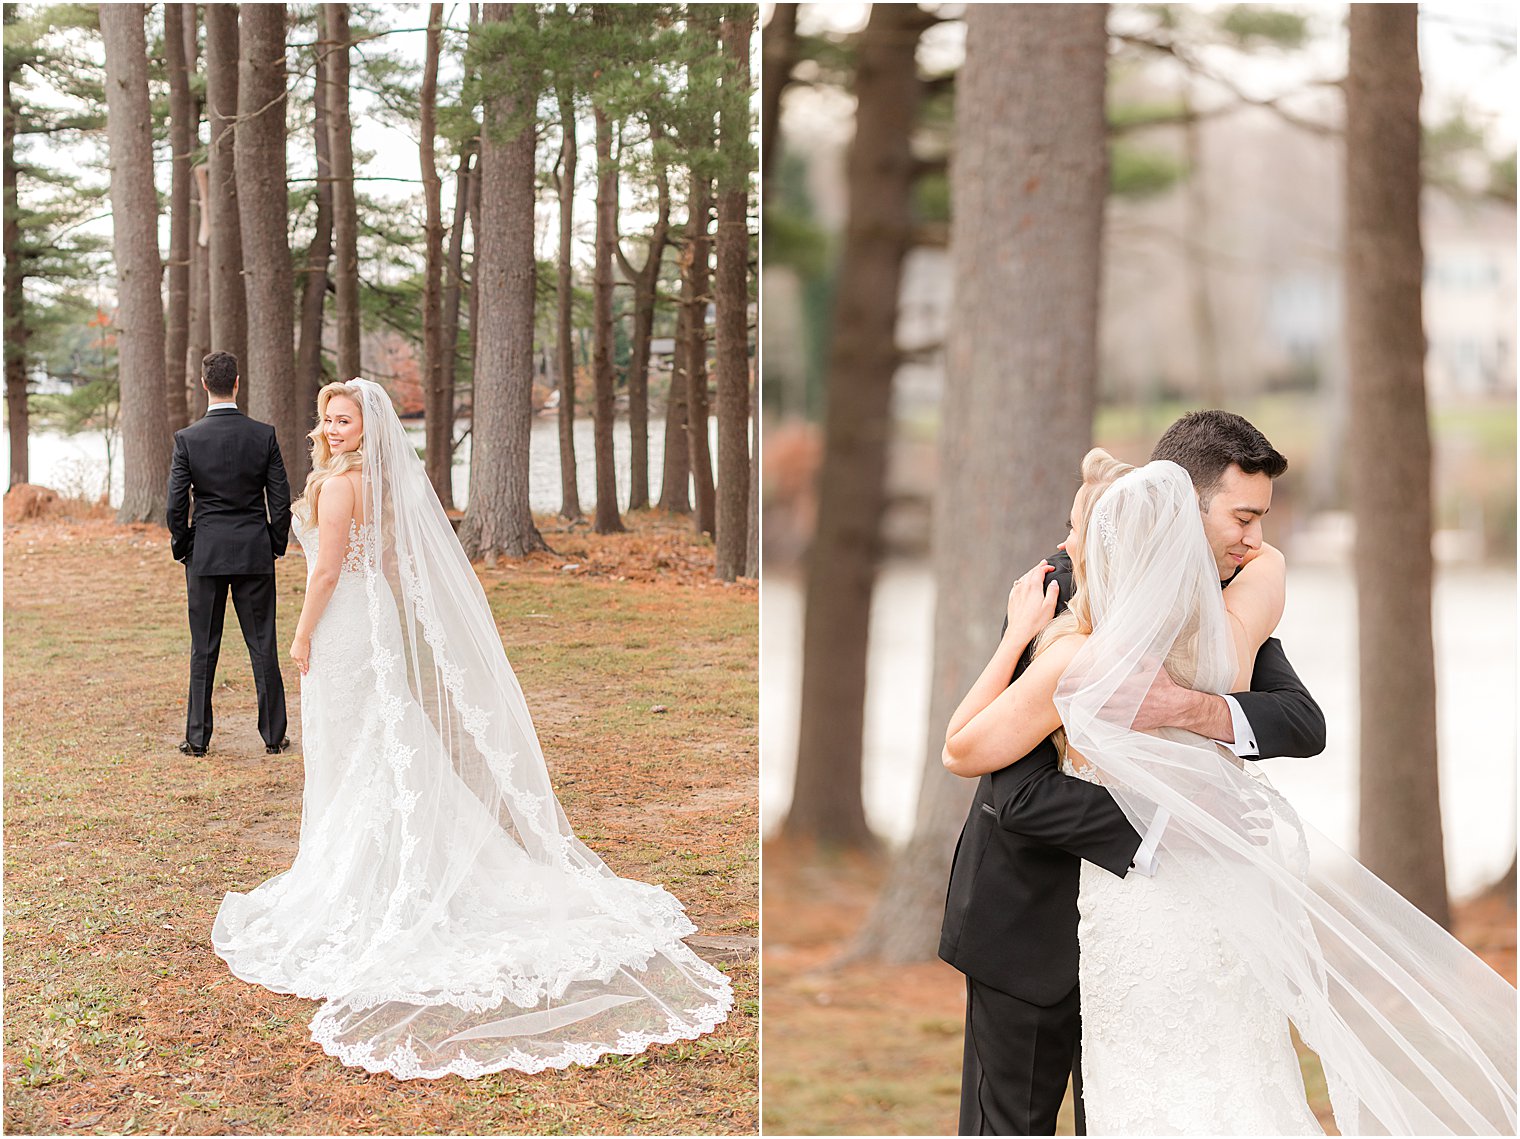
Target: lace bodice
{"points": [[359, 552]]}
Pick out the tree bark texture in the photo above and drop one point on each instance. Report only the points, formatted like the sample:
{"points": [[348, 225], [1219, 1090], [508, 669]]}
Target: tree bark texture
{"points": [[778, 55], [731, 299], [841, 567], [134, 222], [441, 411], [646, 281], [569, 489], [1027, 196], [16, 329], [265, 212], [441, 433], [198, 340], [345, 211], [229, 305], [183, 125], [607, 520], [499, 521], [1389, 451], [695, 295], [675, 469], [309, 375]]}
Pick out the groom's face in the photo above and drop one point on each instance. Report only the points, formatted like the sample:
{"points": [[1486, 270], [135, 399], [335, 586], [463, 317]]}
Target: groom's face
{"points": [[1232, 517]]}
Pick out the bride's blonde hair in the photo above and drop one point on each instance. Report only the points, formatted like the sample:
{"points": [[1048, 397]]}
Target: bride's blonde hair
{"points": [[324, 464]]}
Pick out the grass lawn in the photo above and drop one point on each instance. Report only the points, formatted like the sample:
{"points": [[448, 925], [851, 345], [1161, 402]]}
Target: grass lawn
{"points": [[640, 671]]}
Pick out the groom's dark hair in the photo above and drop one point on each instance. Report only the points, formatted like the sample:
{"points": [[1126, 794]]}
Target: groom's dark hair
{"points": [[1207, 443], [220, 371]]}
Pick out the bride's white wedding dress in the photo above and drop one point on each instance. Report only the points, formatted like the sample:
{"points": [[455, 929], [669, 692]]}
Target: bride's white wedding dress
{"points": [[439, 905], [1253, 919]]}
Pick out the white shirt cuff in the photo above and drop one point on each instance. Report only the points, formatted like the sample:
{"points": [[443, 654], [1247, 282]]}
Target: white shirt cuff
{"points": [[1245, 739], [1144, 862]]}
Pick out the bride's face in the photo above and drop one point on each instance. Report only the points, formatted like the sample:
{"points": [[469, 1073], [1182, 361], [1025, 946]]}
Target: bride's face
{"points": [[342, 424]]}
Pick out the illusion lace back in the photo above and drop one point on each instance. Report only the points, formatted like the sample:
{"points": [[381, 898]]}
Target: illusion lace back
{"points": [[438, 941], [1177, 1036]]}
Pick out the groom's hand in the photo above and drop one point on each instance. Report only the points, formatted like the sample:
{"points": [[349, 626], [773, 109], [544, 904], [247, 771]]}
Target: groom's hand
{"points": [[1169, 705]]}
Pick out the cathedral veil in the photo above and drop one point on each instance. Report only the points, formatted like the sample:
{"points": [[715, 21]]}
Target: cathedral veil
{"points": [[1416, 1034], [481, 934]]}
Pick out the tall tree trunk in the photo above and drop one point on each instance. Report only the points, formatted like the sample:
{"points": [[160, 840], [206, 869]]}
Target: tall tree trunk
{"points": [[433, 348], [340, 129], [1027, 196], [646, 280], [499, 521], [265, 211], [183, 123], [607, 519], [731, 299], [778, 55], [440, 409], [16, 329], [319, 253], [752, 522], [841, 567], [695, 294], [1400, 830], [198, 340], [675, 470], [229, 305], [569, 489], [134, 222]]}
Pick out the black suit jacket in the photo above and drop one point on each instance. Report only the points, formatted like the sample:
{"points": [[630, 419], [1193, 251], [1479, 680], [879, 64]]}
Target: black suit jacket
{"points": [[242, 499], [1011, 911]]}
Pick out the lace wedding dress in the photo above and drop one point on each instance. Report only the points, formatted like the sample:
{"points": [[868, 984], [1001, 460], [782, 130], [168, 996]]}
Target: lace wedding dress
{"points": [[439, 905], [1253, 919]]}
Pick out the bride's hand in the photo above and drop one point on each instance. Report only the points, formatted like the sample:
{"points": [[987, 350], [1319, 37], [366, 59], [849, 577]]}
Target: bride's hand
{"points": [[1031, 603], [300, 652]]}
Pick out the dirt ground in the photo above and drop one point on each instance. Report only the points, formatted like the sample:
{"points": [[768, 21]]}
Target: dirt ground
{"points": [[871, 1049], [640, 670]]}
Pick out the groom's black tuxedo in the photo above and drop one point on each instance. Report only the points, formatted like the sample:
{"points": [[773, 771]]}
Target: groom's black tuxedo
{"points": [[241, 524], [1011, 911]]}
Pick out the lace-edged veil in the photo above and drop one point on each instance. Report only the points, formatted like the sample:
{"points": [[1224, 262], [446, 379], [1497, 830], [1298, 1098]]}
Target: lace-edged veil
{"points": [[1416, 1034], [514, 945]]}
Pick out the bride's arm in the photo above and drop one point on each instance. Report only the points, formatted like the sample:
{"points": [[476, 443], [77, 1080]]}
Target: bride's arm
{"points": [[335, 509], [1254, 602], [1010, 726]]}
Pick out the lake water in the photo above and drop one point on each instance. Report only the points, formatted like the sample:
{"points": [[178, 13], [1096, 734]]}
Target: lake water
{"points": [[75, 464], [1475, 685]]}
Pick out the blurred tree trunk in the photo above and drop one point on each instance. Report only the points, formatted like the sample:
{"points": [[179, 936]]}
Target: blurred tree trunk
{"points": [[675, 469], [607, 519], [1027, 198], [569, 489], [695, 295], [319, 252], [752, 522], [778, 55], [340, 129], [827, 806], [264, 205], [646, 281], [134, 222], [17, 330], [443, 411], [229, 304], [499, 521], [182, 129], [731, 298], [1389, 468], [439, 412], [199, 337]]}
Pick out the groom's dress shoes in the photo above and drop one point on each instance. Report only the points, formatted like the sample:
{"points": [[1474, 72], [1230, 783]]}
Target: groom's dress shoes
{"points": [[276, 749], [188, 748]]}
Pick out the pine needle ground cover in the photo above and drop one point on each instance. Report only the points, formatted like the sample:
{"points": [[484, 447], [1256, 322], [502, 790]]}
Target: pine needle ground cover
{"points": [[640, 671]]}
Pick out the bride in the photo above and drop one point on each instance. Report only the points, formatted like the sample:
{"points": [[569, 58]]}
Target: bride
{"points": [[1189, 979], [439, 905]]}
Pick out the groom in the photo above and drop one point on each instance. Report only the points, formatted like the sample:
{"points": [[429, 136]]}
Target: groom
{"points": [[1011, 912], [242, 523]]}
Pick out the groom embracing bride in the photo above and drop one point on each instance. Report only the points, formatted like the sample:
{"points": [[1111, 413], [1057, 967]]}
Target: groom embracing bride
{"points": [[1133, 904]]}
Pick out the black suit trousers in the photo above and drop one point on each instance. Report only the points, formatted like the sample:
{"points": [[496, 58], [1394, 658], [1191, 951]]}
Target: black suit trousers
{"points": [[253, 599], [1017, 1058]]}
